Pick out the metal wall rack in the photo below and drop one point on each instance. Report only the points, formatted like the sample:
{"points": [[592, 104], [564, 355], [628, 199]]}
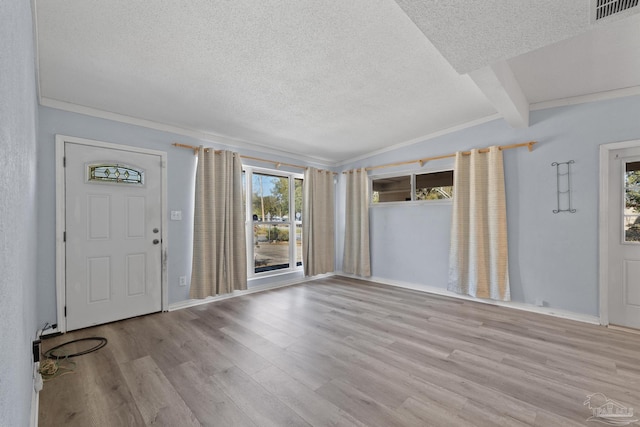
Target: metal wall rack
{"points": [[563, 186]]}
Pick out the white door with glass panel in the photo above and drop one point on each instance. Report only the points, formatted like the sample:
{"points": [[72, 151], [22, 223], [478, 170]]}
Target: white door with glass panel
{"points": [[113, 215], [624, 237]]}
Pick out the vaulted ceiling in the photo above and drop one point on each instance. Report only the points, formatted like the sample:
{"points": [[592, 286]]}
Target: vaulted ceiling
{"points": [[328, 80]]}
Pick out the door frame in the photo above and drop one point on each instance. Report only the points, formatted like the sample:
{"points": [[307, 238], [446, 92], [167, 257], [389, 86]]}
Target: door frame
{"points": [[61, 254], [603, 223]]}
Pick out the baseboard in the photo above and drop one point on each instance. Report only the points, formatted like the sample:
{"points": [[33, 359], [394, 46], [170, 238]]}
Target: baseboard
{"points": [[35, 394], [195, 302], [585, 318], [595, 320], [624, 329]]}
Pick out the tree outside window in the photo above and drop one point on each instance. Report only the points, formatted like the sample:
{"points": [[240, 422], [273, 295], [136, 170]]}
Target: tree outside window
{"points": [[274, 221]]}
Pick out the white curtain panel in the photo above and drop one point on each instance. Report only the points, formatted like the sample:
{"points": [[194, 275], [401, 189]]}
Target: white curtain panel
{"points": [[357, 259], [219, 246], [478, 257], [318, 239]]}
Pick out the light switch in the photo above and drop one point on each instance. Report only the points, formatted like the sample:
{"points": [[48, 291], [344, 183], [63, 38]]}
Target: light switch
{"points": [[176, 215]]}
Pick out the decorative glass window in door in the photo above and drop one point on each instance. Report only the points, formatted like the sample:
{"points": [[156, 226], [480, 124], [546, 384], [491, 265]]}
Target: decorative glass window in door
{"points": [[631, 218], [117, 173]]}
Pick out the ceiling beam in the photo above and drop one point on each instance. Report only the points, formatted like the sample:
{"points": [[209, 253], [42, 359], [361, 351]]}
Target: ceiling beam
{"points": [[500, 86]]}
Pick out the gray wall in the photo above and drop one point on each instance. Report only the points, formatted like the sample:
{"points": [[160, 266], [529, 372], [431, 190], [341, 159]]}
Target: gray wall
{"points": [[551, 256], [18, 122], [181, 181]]}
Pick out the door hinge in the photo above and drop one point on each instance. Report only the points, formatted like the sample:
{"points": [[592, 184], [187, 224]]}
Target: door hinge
{"points": [[64, 236], [64, 162], [65, 311]]}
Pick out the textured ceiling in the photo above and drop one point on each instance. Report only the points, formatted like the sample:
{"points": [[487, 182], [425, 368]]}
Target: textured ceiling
{"points": [[473, 33], [327, 80]]}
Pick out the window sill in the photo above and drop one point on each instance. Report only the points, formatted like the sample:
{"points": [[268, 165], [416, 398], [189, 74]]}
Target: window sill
{"points": [[413, 203], [256, 279]]}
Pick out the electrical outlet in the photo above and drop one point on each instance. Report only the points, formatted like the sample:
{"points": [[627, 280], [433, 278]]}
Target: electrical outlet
{"points": [[183, 280], [176, 215], [36, 351]]}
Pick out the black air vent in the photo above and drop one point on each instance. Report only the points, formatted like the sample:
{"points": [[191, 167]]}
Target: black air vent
{"points": [[605, 8]]}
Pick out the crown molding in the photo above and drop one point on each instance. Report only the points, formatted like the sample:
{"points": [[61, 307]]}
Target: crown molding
{"points": [[583, 99], [239, 143], [421, 139], [575, 100], [206, 136]]}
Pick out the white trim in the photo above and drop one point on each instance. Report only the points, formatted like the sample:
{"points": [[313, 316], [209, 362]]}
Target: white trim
{"points": [[60, 218], [574, 100], [324, 162], [164, 226], [603, 224], [261, 288], [509, 304], [240, 143], [275, 172], [60, 228], [603, 244], [422, 138], [412, 173], [35, 395], [198, 134], [583, 99], [411, 203], [249, 223]]}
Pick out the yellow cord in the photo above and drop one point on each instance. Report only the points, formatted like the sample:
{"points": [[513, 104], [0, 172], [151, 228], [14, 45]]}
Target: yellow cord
{"points": [[50, 369]]}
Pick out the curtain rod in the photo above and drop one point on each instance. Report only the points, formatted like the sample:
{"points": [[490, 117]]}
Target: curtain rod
{"points": [[424, 160], [277, 164]]}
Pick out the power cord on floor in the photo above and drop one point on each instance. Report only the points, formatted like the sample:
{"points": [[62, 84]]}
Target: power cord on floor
{"points": [[60, 351], [57, 363], [54, 368]]}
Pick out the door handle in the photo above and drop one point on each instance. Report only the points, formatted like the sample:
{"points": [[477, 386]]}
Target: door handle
{"points": [[155, 230], [156, 241]]}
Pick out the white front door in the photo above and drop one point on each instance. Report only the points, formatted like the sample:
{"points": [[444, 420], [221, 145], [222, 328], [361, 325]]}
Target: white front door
{"points": [[113, 218], [624, 237]]}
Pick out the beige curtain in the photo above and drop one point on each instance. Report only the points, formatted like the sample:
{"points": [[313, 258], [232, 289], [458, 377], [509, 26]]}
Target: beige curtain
{"points": [[318, 241], [219, 246], [478, 264], [356, 258]]}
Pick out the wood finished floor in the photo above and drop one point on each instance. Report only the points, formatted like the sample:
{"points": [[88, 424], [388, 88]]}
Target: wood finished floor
{"points": [[340, 352]]}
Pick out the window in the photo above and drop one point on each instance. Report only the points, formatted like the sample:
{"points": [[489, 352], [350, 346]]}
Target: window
{"points": [[115, 173], [394, 189], [413, 187], [274, 219], [632, 202], [434, 186]]}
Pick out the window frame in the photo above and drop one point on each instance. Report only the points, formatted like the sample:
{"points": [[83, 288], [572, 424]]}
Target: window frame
{"points": [[249, 223], [412, 175]]}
